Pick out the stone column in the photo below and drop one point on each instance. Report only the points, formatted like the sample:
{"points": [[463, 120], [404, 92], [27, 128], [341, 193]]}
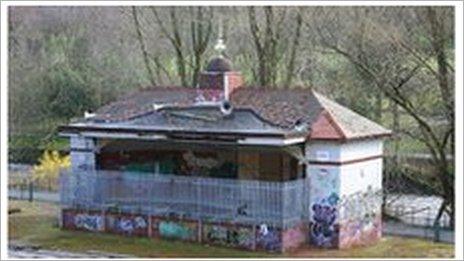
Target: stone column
{"points": [[82, 154], [344, 193], [324, 191]]}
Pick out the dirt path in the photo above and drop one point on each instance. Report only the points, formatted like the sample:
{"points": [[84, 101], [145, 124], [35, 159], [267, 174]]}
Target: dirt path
{"points": [[16, 250]]}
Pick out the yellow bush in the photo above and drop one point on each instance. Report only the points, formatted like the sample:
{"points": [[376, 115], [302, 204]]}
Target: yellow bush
{"points": [[48, 169]]}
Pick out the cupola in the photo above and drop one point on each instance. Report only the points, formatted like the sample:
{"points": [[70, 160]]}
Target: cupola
{"points": [[219, 73]]}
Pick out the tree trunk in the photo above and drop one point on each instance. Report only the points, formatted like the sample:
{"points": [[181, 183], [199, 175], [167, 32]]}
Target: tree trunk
{"points": [[294, 48], [143, 49], [396, 129]]}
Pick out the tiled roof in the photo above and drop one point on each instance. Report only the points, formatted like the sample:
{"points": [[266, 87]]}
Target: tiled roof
{"points": [[282, 108], [349, 124]]}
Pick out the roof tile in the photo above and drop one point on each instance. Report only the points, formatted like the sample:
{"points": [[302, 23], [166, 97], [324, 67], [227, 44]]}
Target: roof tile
{"points": [[283, 108]]}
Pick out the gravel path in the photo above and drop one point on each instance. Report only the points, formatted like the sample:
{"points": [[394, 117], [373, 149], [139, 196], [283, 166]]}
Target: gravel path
{"points": [[30, 252]]}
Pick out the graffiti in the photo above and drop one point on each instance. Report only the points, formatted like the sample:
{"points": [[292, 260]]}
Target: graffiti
{"points": [[195, 161], [178, 230], [362, 206], [230, 236], [128, 225], [333, 199], [323, 229], [326, 179], [356, 233], [360, 218], [268, 238], [242, 210], [89, 222]]}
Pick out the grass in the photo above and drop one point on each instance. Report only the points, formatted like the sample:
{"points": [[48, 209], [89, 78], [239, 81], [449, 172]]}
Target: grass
{"points": [[37, 224]]}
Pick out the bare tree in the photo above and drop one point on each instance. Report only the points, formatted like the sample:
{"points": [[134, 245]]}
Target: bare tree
{"points": [[201, 30], [200, 21], [143, 49], [396, 66], [294, 49], [266, 42]]}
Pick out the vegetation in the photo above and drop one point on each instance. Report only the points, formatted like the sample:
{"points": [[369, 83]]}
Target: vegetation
{"points": [[394, 65], [36, 224], [48, 169]]}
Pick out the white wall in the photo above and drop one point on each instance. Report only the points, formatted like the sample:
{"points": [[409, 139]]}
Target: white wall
{"points": [[323, 151], [359, 176], [344, 180], [361, 149], [337, 151]]}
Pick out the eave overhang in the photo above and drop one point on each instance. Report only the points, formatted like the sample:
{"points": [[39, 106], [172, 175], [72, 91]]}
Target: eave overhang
{"points": [[245, 137]]}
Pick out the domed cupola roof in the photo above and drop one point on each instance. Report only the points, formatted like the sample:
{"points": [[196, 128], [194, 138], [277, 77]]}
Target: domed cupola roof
{"points": [[219, 64]]}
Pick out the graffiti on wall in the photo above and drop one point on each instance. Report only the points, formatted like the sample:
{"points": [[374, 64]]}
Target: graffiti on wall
{"points": [[324, 187], [178, 230], [362, 205], [324, 231], [197, 161], [360, 217], [356, 233], [91, 222], [127, 224], [268, 238], [230, 236]]}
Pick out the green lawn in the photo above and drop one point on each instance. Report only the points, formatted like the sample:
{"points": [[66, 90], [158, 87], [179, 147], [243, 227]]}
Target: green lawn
{"points": [[37, 224]]}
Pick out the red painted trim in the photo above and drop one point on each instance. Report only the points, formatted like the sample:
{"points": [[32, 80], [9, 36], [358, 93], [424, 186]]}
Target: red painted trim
{"points": [[337, 127], [347, 162]]}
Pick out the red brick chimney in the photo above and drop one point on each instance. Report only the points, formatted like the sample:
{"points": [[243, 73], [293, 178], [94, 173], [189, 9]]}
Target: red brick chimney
{"points": [[219, 75]]}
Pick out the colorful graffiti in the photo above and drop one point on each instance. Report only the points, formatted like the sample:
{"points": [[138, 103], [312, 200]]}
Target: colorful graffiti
{"points": [[323, 228], [324, 231], [127, 224], [91, 222], [360, 218], [229, 236], [268, 238], [324, 187], [178, 230], [356, 233]]}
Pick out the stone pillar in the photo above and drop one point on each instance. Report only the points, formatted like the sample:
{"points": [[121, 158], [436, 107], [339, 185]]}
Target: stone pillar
{"points": [[323, 206], [361, 194], [324, 191], [85, 186], [82, 154], [345, 185]]}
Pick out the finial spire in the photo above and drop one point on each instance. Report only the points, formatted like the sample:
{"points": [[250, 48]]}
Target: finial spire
{"points": [[220, 47]]}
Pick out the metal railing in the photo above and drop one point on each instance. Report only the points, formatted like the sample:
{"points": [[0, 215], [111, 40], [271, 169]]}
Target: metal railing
{"points": [[214, 199]]}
